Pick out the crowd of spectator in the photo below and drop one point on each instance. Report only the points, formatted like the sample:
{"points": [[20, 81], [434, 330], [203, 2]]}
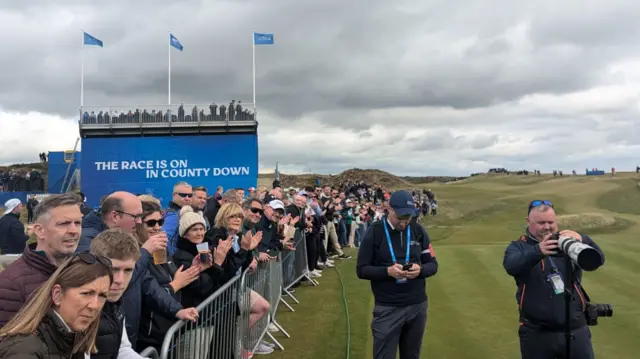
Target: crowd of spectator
{"points": [[233, 112], [155, 272], [21, 180]]}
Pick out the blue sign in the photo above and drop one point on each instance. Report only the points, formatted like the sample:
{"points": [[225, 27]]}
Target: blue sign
{"points": [[57, 170], [153, 165]]}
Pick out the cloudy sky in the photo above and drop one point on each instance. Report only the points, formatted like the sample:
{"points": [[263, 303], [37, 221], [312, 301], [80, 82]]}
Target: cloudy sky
{"points": [[412, 87]]}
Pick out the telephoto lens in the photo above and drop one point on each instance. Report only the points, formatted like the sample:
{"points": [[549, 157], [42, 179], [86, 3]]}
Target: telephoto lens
{"points": [[587, 257]]}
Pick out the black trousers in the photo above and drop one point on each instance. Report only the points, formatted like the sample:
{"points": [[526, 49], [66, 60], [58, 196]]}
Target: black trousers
{"points": [[398, 329], [322, 251], [312, 251], [541, 344]]}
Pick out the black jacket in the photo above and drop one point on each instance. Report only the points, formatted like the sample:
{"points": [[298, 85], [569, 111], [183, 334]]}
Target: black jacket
{"points": [[270, 237], [153, 325], [207, 282], [374, 257], [109, 332], [236, 262], [538, 304], [144, 291], [13, 240], [51, 341]]}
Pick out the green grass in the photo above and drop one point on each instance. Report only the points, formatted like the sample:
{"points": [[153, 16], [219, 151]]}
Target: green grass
{"points": [[472, 305]]}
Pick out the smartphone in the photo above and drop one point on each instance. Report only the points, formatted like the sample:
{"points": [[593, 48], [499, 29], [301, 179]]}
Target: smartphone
{"points": [[204, 257], [406, 267]]}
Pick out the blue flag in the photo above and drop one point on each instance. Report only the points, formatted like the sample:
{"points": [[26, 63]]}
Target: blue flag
{"points": [[173, 41], [262, 39], [90, 40]]}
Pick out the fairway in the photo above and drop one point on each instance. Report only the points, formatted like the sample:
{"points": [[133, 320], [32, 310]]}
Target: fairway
{"points": [[472, 305]]}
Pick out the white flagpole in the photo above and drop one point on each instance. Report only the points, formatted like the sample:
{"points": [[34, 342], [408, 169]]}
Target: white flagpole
{"points": [[253, 42], [82, 74], [169, 69]]}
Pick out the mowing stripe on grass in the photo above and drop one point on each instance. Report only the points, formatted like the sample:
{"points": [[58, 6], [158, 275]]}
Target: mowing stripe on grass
{"points": [[468, 292]]}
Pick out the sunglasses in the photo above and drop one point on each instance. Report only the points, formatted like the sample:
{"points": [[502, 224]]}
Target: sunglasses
{"points": [[185, 195], [256, 210], [537, 203], [153, 222], [89, 258]]}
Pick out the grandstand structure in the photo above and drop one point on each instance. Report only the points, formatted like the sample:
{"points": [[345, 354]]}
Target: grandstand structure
{"points": [[167, 120]]}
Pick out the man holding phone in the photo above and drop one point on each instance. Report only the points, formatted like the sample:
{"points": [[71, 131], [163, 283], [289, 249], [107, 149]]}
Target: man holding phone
{"points": [[397, 257]]}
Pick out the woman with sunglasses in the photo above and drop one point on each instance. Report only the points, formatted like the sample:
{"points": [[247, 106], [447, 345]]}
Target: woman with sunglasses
{"points": [[60, 319], [153, 325]]}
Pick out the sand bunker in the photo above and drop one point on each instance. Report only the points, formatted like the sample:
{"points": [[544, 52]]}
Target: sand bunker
{"points": [[585, 221]]}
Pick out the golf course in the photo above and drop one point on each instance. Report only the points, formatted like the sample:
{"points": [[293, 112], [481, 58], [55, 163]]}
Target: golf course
{"points": [[472, 306]]}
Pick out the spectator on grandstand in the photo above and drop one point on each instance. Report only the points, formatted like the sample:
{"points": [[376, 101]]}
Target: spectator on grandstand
{"points": [[61, 319], [154, 325], [182, 194], [57, 228], [240, 193], [187, 255], [118, 210], [397, 270], [12, 235], [348, 231]]}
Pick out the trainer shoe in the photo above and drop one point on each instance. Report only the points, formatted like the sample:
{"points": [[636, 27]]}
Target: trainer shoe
{"points": [[345, 256], [329, 265], [270, 345], [263, 349], [272, 328], [315, 274]]}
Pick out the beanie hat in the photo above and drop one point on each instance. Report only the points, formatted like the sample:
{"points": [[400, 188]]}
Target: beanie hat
{"points": [[189, 218]]}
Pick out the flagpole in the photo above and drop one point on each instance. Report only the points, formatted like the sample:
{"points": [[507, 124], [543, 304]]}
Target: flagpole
{"points": [[253, 41], [169, 45], [82, 73]]}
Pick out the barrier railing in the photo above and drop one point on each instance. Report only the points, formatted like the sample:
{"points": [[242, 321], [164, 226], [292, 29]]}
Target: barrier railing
{"points": [[226, 328]]}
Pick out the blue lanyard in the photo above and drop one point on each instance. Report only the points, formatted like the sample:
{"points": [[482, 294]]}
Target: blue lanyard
{"points": [[393, 254]]}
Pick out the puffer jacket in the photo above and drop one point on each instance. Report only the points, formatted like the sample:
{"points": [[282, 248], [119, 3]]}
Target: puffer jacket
{"points": [[20, 278]]}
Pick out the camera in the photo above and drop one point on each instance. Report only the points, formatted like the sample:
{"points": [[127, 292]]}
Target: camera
{"points": [[585, 256], [593, 311]]}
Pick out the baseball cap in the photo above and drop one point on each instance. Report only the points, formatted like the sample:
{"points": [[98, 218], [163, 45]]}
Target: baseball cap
{"points": [[11, 204], [402, 203], [276, 204]]}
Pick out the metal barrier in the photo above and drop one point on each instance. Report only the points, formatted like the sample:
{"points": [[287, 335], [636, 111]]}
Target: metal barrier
{"points": [[150, 353], [225, 329], [214, 334]]}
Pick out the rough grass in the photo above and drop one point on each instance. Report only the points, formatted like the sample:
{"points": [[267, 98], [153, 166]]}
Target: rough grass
{"points": [[472, 306]]}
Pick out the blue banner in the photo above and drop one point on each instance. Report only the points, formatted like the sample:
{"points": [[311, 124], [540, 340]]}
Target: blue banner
{"points": [[152, 165], [262, 39]]}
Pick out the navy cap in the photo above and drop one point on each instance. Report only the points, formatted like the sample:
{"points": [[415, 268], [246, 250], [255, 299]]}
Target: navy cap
{"points": [[402, 203]]}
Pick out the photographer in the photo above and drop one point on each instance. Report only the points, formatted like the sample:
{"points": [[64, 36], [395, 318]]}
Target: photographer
{"points": [[541, 271]]}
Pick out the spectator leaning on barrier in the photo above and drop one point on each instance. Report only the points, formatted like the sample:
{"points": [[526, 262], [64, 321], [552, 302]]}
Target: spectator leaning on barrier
{"points": [[182, 194], [60, 320], [122, 250], [12, 236], [154, 325], [187, 255], [57, 228], [396, 257]]}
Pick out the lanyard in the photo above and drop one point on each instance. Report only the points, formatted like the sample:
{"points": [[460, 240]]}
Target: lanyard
{"points": [[393, 254]]}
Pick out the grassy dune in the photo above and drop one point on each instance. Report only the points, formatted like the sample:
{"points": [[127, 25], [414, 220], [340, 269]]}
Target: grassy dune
{"points": [[472, 305]]}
